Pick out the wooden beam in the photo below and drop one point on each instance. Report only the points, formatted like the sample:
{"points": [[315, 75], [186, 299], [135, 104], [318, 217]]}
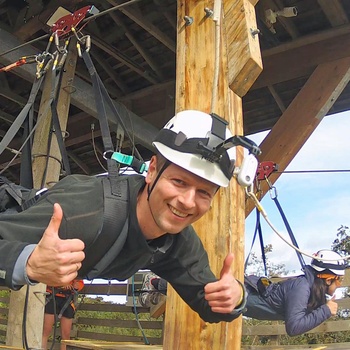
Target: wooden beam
{"points": [[221, 230], [138, 46], [244, 56], [138, 18], [303, 116], [297, 59], [334, 12], [125, 60]]}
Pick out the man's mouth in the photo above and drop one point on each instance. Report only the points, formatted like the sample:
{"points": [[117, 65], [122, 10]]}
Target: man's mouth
{"points": [[177, 212]]}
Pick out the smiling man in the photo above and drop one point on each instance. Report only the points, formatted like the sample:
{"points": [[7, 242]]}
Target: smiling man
{"points": [[195, 156]]}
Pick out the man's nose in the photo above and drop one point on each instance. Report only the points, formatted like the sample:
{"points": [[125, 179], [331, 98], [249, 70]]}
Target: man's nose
{"points": [[188, 198]]}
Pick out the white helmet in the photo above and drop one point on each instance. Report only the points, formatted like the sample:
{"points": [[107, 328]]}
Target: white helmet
{"points": [[202, 144], [332, 262]]}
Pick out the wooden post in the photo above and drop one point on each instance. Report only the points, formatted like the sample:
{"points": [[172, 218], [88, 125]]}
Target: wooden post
{"points": [[222, 229], [35, 312]]}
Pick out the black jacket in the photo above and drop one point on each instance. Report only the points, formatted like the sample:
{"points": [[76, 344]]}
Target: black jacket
{"points": [[180, 259]]}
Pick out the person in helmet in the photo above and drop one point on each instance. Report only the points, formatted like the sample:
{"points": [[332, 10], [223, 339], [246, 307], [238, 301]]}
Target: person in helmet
{"points": [[195, 156], [303, 302]]}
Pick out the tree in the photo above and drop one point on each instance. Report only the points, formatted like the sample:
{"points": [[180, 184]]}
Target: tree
{"points": [[341, 244]]}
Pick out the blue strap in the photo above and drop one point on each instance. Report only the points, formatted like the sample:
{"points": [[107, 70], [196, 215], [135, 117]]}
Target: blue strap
{"points": [[257, 230], [289, 230]]}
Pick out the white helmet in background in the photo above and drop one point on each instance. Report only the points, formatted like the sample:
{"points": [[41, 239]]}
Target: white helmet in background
{"points": [[202, 144], [333, 262]]}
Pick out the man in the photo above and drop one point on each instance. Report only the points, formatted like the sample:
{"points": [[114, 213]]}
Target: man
{"points": [[192, 162]]}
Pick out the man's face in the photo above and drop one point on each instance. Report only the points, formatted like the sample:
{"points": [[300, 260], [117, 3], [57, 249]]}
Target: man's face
{"points": [[178, 198]]}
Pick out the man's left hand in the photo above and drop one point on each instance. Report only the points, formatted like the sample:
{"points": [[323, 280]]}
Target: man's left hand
{"points": [[225, 294]]}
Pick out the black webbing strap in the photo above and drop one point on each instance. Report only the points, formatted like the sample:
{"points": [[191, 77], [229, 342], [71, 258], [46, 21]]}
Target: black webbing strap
{"points": [[289, 230], [101, 92], [257, 230], [113, 168], [108, 243], [12, 131]]}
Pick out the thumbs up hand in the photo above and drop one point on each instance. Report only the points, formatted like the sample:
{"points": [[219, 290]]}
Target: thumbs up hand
{"points": [[226, 293], [333, 306], [55, 261]]}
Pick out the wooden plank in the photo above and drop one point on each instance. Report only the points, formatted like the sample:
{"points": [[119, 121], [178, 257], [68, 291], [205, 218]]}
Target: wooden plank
{"points": [[302, 117], [116, 337], [221, 230], [243, 49], [120, 323], [88, 344]]}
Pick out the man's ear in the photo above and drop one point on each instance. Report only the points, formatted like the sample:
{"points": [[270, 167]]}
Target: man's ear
{"points": [[151, 169]]}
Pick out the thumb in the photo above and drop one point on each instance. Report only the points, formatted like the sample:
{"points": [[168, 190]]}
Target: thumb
{"points": [[226, 268], [55, 222]]}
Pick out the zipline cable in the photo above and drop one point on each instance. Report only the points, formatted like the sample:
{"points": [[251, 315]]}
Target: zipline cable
{"points": [[259, 206], [116, 7]]}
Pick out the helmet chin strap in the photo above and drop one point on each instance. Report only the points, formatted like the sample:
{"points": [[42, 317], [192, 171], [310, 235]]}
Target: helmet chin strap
{"points": [[149, 190]]}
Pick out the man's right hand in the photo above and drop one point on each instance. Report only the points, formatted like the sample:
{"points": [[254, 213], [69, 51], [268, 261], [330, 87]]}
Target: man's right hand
{"points": [[55, 261]]}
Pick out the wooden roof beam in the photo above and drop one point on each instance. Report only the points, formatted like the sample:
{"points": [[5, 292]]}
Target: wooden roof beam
{"points": [[299, 59], [146, 56], [302, 117], [334, 12], [138, 18], [125, 60]]}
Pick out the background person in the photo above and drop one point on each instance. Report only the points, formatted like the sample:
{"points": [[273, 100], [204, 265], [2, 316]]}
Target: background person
{"points": [[61, 305], [303, 302]]}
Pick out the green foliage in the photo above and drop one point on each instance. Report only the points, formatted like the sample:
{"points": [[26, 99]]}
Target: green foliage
{"points": [[341, 244]]}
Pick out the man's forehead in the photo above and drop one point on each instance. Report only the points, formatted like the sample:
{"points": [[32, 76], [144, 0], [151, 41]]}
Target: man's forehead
{"points": [[176, 170]]}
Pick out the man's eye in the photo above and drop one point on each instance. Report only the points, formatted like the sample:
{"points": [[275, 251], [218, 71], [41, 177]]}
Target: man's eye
{"points": [[179, 182], [205, 193]]}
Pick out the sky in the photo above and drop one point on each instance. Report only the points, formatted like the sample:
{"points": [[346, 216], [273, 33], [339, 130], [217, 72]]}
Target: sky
{"points": [[315, 204]]}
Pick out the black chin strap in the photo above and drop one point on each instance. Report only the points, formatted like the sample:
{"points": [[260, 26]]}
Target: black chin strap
{"points": [[149, 190]]}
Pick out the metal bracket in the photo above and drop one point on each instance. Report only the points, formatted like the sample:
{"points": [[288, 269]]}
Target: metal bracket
{"points": [[64, 25], [265, 169]]}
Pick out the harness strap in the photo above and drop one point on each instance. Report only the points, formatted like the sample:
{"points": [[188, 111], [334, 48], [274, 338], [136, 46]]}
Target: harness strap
{"points": [[257, 230], [290, 232], [108, 243], [12, 131]]}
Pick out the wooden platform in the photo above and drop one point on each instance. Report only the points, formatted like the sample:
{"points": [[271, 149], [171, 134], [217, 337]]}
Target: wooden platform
{"points": [[82, 344], [88, 344]]}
